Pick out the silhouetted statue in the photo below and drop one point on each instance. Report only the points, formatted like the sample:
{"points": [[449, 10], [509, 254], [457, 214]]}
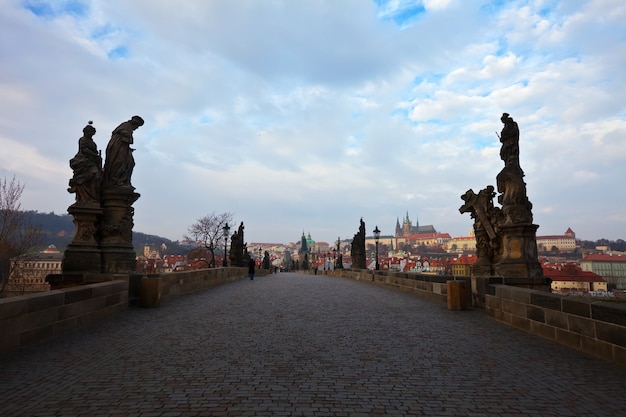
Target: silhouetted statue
{"points": [[358, 248], [119, 164], [509, 137], [237, 247], [87, 166], [515, 204], [486, 218]]}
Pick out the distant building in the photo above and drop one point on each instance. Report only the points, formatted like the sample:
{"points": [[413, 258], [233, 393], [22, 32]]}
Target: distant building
{"points": [[462, 266], [565, 243], [463, 244], [610, 267], [28, 273], [570, 278]]}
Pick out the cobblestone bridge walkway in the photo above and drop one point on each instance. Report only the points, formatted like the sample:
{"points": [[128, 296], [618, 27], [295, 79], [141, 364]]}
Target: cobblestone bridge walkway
{"points": [[303, 345]]}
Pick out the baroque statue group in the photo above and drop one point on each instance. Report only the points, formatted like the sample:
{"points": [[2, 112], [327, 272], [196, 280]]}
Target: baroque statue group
{"points": [[102, 211], [506, 244]]}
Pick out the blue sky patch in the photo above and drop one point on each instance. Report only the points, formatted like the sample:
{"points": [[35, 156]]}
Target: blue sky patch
{"points": [[118, 53], [53, 9], [402, 13]]}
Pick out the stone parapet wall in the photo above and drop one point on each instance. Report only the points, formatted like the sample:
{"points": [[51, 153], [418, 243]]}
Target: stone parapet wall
{"points": [[177, 283], [595, 327], [429, 286], [30, 319]]}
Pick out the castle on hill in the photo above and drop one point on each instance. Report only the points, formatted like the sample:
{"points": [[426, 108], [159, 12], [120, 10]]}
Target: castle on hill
{"points": [[407, 228]]}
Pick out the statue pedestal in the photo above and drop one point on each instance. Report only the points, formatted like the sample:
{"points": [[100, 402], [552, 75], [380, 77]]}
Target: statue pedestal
{"points": [[82, 255], [518, 263], [116, 227], [480, 276]]}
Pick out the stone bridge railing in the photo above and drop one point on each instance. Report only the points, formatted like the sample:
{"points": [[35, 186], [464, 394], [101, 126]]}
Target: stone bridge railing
{"points": [[592, 326], [434, 287], [29, 319]]}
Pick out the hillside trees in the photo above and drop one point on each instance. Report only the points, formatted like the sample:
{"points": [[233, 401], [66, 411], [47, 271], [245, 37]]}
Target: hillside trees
{"points": [[18, 235], [208, 232]]}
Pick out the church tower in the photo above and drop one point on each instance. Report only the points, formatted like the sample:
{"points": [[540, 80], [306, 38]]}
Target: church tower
{"points": [[398, 228], [407, 227]]}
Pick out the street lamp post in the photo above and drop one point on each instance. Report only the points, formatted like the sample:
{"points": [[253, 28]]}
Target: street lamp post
{"points": [[226, 229], [376, 237]]}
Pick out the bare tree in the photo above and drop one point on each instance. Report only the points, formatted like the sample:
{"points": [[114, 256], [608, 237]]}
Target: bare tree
{"points": [[208, 233], [17, 234]]}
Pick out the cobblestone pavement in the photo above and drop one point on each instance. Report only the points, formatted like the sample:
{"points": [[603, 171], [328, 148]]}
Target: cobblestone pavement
{"points": [[303, 345]]}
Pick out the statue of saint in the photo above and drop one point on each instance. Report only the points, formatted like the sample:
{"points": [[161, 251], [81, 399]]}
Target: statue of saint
{"points": [[119, 163], [87, 166], [509, 137]]}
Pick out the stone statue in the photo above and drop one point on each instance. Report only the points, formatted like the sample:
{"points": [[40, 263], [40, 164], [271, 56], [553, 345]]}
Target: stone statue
{"points": [[358, 248], [506, 244], [486, 219], [87, 166], [509, 137], [103, 212], [119, 164], [511, 186], [237, 247]]}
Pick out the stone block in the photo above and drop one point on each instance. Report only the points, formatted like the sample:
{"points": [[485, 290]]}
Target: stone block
{"points": [[611, 333], [516, 309], [493, 302], [556, 319], [609, 312], [502, 291], [13, 307], [582, 326], [520, 322], [543, 330], [65, 326], [113, 299], [577, 306], [568, 338], [521, 295], [619, 355], [536, 314], [45, 300], [93, 304], [597, 348], [546, 300], [76, 294], [70, 310]]}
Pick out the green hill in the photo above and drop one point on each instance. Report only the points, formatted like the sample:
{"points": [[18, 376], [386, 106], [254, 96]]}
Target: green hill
{"points": [[58, 230]]}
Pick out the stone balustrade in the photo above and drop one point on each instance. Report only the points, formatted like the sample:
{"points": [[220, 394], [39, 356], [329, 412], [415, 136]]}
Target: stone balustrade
{"points": [[595, 327], [34, 318]]}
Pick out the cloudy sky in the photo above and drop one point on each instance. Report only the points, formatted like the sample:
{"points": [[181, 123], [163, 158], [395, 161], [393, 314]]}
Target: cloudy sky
{"points": [[308, 115]]}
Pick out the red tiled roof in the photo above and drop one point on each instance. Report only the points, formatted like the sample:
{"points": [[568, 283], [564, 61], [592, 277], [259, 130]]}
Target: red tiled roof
{"points": [[465, 260], [570, 272], [604, 257]]}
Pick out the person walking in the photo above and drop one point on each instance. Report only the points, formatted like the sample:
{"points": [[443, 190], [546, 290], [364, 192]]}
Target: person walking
{"points": [[251, 269]]}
